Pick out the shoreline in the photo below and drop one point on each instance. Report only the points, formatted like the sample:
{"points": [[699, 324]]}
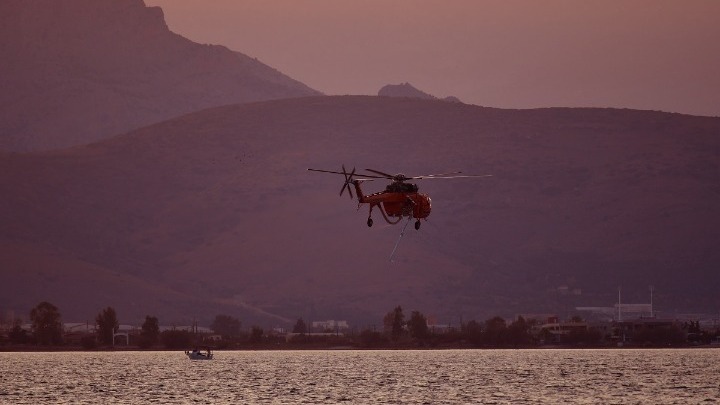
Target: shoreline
{"points": [[73, 349]]}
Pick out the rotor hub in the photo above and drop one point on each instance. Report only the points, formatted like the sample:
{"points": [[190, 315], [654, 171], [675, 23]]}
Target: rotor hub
{"points": [[400, 178]]}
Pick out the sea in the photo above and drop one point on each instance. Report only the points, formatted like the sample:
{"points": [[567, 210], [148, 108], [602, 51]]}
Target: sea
{"points": [[533, 376]]}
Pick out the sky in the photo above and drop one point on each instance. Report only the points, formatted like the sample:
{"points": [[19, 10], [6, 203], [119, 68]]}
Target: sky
{"points": [[641, 54]]}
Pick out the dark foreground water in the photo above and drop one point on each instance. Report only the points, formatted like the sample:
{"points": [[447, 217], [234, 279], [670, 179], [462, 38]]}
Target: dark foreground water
{"points": [[431, 377]]}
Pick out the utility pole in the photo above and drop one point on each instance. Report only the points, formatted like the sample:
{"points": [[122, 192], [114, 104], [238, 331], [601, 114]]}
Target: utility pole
{"points": [[651, 301], [619, 305]]}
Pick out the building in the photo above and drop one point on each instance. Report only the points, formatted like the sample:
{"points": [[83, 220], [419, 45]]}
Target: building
{"points": [[557, 332], [329, 325]]}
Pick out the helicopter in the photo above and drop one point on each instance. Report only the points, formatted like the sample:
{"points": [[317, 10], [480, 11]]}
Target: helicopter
{"points": [[399, 199]]}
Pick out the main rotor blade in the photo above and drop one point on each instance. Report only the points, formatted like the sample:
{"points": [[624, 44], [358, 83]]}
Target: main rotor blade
{"points": [[325, 171], [390, 176], [370, 177], [367, 176], [450, 177], [435, 175]]}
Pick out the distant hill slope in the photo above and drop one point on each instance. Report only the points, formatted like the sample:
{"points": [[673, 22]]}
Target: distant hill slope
{"points": [[215, 211], [76, 71]]}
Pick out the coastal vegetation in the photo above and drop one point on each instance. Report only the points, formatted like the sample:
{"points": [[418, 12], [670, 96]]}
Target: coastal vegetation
{"points": [[46, 331]]}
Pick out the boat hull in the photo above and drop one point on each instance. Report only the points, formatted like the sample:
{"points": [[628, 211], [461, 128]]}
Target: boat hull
{"points": [[199, 355]]}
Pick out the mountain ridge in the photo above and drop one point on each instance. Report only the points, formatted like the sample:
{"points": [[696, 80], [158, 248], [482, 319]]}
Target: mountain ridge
{"points": [[75, 71], [408, 90]]}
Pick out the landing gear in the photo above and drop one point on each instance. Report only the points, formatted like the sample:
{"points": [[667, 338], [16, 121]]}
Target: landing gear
{"points": [[417, 224], [370, 222]]}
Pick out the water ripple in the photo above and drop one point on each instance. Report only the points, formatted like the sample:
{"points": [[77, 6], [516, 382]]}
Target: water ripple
{"points": [[367, 377]]}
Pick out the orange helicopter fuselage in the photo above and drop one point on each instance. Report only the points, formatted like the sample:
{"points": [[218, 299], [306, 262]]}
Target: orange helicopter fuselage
{"points": [[398, 201]]}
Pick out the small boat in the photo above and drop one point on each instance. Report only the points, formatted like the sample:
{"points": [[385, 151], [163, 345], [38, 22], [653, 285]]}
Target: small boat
{"points": [[196, 354]]}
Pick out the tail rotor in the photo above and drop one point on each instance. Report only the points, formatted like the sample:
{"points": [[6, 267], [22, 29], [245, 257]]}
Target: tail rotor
{"points": [[348, 181]]}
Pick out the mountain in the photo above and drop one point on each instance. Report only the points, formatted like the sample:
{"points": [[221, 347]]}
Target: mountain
{"points": [[408, 90], [215, 212], [77, 71]]}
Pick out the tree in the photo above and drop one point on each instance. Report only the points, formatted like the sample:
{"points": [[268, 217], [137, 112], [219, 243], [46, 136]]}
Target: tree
{"points": [[256, 334], [88, 342], [176, 339], [46, 324], [582, 336], [473, 332], [226, 325], [17, 334], [417, 325], [394, 321], [150, 333], [107, 325], [370, 338], [661, 335], [518, 333], [495, 331], [300, 326]]}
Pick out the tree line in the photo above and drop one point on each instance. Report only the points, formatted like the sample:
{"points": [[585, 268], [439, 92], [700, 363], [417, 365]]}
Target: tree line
{"points": [[414, 332], [398, 331], [46, 329]]}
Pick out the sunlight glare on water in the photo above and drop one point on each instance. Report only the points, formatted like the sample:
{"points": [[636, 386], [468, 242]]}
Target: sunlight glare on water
{"points": [[423, 377]]}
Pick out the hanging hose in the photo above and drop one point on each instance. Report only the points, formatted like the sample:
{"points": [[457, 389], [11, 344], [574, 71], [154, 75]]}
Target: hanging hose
{"points": [[398, 241]]}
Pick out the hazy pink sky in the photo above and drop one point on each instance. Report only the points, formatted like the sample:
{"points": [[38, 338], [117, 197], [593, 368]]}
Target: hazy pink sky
{"points": [[645, 54]]}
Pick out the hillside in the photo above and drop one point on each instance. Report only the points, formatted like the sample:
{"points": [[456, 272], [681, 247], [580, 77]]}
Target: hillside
{"points": [[215, 211], [76, 71]]}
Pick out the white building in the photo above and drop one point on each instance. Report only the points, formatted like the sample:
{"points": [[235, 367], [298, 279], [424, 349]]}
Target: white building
{"points": [[330, 325]]}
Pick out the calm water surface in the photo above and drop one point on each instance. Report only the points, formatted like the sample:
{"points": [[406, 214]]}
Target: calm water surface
{"points": [[365, 377]]}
